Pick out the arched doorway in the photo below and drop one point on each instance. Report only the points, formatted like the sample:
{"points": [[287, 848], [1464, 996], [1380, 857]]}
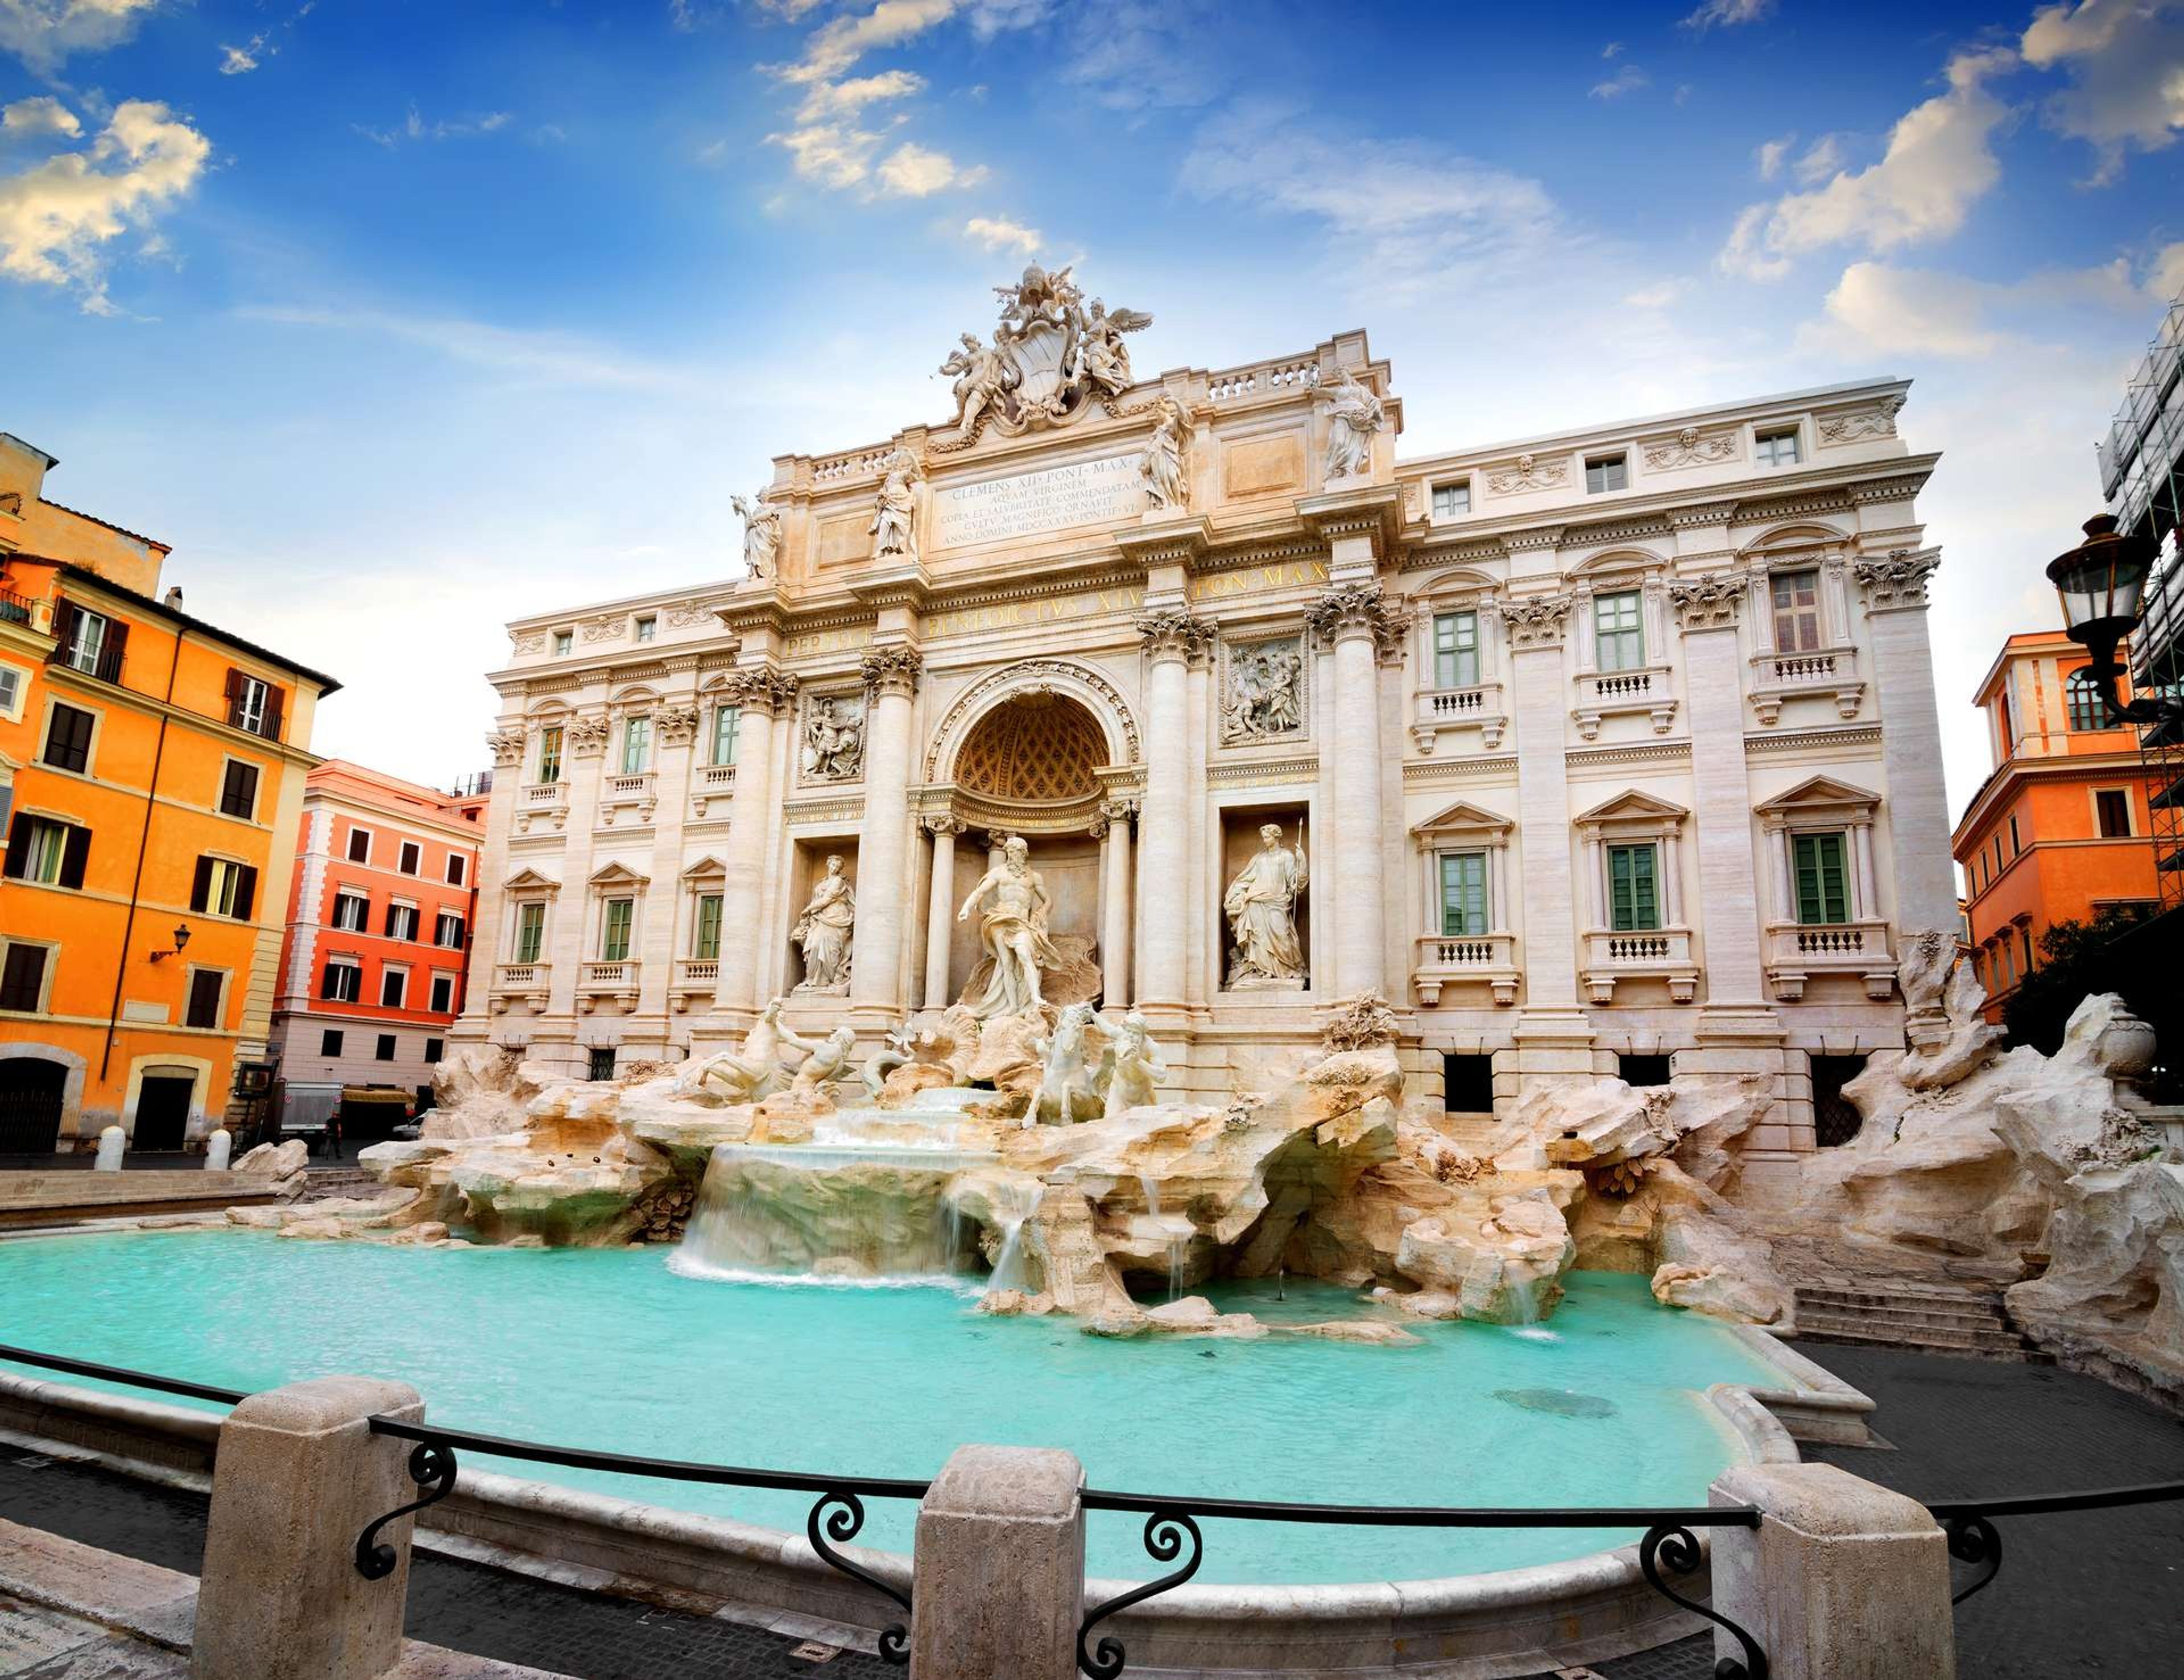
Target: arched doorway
{"points": [[32, 1092]]}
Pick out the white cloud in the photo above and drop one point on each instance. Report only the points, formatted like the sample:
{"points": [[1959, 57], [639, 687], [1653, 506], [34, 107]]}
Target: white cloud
{"points": [[40, 114], [1628, 79], [1912, 311], [1657, 296], [44, 33], [1822, 159], [846, 99], [1146, 55], [836, 45], [243, 59], [1940, 159], [998, 233], [1767, 156], [57, 214], [415, 127], [833, 154], [2166, 280], [2125, 59], [1728, 14], [915, 171], [1611, 49]]}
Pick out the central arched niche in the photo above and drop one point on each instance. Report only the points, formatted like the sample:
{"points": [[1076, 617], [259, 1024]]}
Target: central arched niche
{"points": [[1032, 766]]}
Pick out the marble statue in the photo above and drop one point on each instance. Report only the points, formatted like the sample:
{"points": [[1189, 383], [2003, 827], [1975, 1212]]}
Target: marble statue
{"points": [[982, 373], [1068, 1089], [1052, 356], [761, 535], [1264, 698], [747, 1074], [893, 528], [827, 1059], [1013, 929], [1353, 416], [1102, 359], [825, 931], [1260, 904], [894, 1051], [1160, 466], [833, 740], [1130, 1068]]}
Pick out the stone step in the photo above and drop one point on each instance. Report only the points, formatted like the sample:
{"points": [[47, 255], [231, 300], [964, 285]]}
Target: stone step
{"points": [[1945, 1317], [2013, 1350], [1880, 1295], [1909, 1335]]}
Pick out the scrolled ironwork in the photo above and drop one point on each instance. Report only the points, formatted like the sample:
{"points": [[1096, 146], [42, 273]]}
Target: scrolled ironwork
{"points": [[1973, 1540], [1166, 1531], [1678, 1548], [431, 1467], [842, 1523]]}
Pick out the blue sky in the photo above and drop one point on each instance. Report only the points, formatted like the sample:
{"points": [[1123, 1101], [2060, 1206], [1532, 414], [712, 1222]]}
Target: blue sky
{"points": [[399, 320]]}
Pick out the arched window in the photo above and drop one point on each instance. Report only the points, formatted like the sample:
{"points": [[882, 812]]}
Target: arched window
{"points": [[2088, 706]]}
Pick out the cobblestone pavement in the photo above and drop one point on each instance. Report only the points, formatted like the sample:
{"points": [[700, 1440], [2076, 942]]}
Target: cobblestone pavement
{"points": [[2098, 1593]]}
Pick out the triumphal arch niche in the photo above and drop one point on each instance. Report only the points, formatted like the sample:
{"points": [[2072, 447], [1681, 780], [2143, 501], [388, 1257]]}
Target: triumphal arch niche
{"points": [[1254, 720]]}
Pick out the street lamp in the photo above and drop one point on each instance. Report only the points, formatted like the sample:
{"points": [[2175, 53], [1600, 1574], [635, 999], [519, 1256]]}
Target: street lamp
{"points": [[182, 939], [2101, 583]]}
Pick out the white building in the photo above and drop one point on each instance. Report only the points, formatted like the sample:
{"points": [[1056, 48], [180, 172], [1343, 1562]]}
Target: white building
{"points": [[1609, 747]]}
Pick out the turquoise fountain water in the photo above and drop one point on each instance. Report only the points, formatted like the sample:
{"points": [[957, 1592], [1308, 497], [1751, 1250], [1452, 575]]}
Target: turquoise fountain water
{"points": [[612, 1348]]}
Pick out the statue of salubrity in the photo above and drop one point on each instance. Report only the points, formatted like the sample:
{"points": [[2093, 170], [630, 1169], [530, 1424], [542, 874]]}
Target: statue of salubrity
{"points": [[1261, 905], [824, 932]]}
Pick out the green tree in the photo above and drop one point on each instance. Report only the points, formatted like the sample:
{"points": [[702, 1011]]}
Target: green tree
{"points": [[2075, 963]]}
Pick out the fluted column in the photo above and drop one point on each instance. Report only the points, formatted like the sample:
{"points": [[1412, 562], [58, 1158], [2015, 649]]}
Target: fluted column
{"points": [[585, 738], [1895, 595], [1115, 903], [883, 885], [940, 908], [1171, 637], [510, 749], [1351, 618], [674, 729], [764, 696]]}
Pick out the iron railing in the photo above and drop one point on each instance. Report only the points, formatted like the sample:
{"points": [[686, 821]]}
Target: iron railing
{"points": [[1974, 1538]]}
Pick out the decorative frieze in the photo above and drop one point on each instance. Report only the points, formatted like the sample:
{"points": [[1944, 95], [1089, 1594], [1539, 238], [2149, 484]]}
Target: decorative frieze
{"points": [[1262, 692], [683, 615], [1860, 425], [1248, 772], [1692, 448], [604, 627], [524, 642], [831, 744], [1897, 583], [1529, 472], [1535, 620]]}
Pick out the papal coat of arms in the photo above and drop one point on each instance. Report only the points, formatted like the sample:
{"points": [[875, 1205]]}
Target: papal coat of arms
{"points": [[1052, 356]]}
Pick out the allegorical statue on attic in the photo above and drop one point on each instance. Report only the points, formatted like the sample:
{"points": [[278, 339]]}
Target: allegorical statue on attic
{"points": [[1052, 358], [1161, 467], [1354, 413], [894, 529], [761, 535]]}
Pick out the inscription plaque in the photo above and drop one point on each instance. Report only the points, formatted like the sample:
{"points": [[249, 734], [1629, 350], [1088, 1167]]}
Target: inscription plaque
{"points": [[1053, 498]]}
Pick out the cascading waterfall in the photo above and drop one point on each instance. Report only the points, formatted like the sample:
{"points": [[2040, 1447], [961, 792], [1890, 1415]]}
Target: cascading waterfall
{"points": [[1178, 1243], [1014, 1201]]}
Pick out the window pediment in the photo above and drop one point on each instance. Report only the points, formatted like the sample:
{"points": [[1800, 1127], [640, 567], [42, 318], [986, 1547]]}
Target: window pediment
{"points": [[1818, 796], [617, 874], [707, 868], [1463, 820], [1633, 812], [529, 880]]}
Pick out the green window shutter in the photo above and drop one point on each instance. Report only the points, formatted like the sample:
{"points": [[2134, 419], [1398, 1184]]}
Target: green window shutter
{"points": [[708, 941], [1822, 881], [530, 929], [1634, 903], [1463, 893]]}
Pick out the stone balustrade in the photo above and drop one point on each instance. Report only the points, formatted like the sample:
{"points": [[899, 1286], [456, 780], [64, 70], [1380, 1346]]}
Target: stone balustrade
{"points": [[1649, 954], [710, 783], [1780, 677], [1443, 960], [1797, 951], [1605, 693], [624, 797], [609, 982], [525, 984], [1480, 707], [695, 977]]}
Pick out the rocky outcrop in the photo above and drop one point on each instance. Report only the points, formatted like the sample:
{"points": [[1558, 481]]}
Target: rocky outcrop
{"points": [[479, 1091], [1500, 1254]]}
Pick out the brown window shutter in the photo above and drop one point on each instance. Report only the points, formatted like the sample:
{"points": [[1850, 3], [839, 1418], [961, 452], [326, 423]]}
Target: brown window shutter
{"points": [[110, 653], [234, 697], [19, 847], [65, 616], [201, 887], [74, 853], [275, 705], [245, 893]]}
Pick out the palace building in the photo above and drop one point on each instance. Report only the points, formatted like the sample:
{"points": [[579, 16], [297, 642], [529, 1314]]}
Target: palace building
{"points": [[1614, 751]]}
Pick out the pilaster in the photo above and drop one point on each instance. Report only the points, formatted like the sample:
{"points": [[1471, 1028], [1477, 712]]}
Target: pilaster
{"points": [[883, 860]]}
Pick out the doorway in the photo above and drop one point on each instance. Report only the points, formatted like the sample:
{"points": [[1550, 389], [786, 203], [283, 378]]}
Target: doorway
{"points": [[1467, 1084], [31, 1090], [163, 1112]]}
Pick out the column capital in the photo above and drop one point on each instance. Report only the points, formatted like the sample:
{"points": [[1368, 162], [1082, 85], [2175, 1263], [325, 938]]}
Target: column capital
{"points": [[1708, 603], [1120, 809], [586, 736], [677, 725], [1355, 609], [940, 823], [1175, 633], [507, 746], [762, 688], [1535, 620], [892, 670], [1897, 583]]}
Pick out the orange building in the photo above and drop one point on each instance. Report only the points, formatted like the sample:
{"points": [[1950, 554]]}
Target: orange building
{"points": [[2060, 831], [152, 774], [378, 936]]}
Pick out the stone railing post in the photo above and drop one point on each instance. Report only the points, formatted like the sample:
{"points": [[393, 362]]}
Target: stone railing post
{"points": [[999, 1567], [1843, 1580], [298, 1475]]}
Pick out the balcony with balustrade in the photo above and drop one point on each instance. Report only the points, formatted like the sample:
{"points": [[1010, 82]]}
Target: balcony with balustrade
{"points": [[1824, 673], [1796, 952], [1655, 953], [613, 983], [542, 804], [520, 986], [1460, 962], [1608, 694], [627, 801], [711, 784], [694, 979], [1479, 707]]}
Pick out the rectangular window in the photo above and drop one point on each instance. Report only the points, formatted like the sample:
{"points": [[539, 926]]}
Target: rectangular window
{"points": [[636, 745], [23, 977], [2088, 708], [1455, 650], [359, 845], [67, 738], [1464, 892], [2112, 811], [599, 1064], [203, 1009], [249, 702], [402, 921], [434, 1048], [352, 912], [614, 929], [1797, 597], [705, 936], [52, 854], [11, 690], [648, 627], [83, 638], [342, 982], [1776, 448], [385, 1052], [448, 931], [727, 725], [2014, 847], [238, 790], [1634, 904], [409, 859], [329, 1042], [1604, 473], [458, 867], [1617, 631], [1816, 866], [550, 754], [530, 931], [442, 997], [393, 987], [1451, 499], [563, 641]]}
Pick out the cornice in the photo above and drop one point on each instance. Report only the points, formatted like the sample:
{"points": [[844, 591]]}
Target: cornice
{"points": [[1431, 772], [1244, 771], [1775, 742], [1641, 753]]}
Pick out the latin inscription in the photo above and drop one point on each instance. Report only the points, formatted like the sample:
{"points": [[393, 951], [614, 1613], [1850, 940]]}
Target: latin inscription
{"points": [[1053, 609], [1054, 499], [1258, 580], [810, 642]]}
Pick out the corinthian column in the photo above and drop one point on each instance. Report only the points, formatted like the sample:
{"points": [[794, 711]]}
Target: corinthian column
{"points": [[1112, 831], [883, 884], [1171, 637], [940, 908], [1351, 617], [764, 696]]}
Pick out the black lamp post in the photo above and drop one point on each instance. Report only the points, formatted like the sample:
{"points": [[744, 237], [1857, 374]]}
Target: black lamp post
{"points": [[2101, 583], [182, 939]]}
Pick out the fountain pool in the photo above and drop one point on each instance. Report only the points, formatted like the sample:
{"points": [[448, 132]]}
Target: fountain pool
{"points": [[612, 1348]]}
